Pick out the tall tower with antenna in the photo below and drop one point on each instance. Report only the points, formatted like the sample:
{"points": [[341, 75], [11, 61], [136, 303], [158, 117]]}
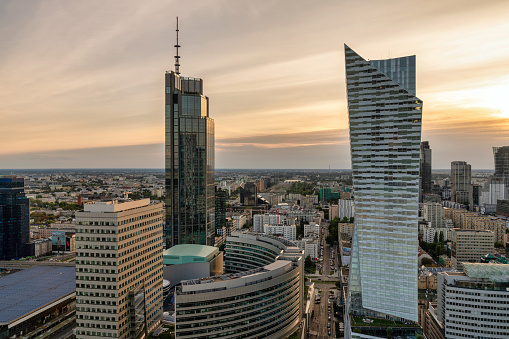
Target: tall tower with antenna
{"points": [[189, 160]]}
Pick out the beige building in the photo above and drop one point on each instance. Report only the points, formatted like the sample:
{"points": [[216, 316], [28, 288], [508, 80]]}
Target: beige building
{"points": [[119, 269], [470, 246], [346, 228]]}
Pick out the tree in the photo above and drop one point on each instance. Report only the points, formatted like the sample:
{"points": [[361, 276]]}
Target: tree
{"points": [[352, 219], [308, 262], [426, 262], [330, 239], [441, 237], [344, 220], [389, 332], [499, 244], [435, 239]]}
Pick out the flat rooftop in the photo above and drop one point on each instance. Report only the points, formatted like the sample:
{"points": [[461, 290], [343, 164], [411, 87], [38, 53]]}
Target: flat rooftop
{"points": [[189, 253], [30, 289], [114, 205]]}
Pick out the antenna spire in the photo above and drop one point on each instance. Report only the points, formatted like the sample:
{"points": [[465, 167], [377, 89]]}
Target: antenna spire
{"points": [[177, 57]]}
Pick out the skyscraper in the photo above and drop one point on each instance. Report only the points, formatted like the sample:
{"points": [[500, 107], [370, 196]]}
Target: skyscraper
{"points": [[189, 161], [385, 135], [425, 173], [461, 182], [501, 155], [14, 218], [119, 269]]}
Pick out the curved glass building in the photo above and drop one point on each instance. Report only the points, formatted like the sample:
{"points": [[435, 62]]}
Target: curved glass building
{"points": [[260, 302]]}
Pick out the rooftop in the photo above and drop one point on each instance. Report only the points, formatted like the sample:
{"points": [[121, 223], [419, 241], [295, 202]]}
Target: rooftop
{"points": [[492, 272], [30, 289], [114, 205], [189, 253]]}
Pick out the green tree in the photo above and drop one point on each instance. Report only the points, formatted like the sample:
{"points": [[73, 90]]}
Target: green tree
{"points": [[435, 239], [352, 219], [330, 239], [389, 332], [441, 237], [344, 220], [426, 262]]}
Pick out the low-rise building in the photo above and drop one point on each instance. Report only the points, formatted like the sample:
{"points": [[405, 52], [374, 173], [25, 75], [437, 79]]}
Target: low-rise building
{"points": [[474, 303], [470, 245]]}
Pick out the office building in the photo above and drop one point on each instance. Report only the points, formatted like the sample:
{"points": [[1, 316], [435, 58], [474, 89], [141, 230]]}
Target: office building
{"points": [[119, 269], [425, 171], [473, 303], [461, 182], [346, 208], [14, 218], [385, 131], [262, 301], [501, 156], [189, 161], [249, 194], [220, 208], [470, 245]]}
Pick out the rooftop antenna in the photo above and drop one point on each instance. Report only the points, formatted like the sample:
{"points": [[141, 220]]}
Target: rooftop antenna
{"points": [[177, 57]]}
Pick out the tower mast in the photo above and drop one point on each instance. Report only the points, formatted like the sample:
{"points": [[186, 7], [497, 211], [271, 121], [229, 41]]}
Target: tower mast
{"points": [[177, 57]]}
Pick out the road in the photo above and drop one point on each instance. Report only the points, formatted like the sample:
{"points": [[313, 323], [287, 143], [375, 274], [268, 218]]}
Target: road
{"points": [[323, 318]]}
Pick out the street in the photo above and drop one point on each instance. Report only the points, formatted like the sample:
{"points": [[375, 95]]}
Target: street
{"points": [[323, 322]]}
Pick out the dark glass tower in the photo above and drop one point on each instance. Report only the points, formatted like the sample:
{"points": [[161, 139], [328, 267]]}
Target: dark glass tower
{"points": [[14, 218], [425, 173], [501, 155], [220, 208], [189, 161]]}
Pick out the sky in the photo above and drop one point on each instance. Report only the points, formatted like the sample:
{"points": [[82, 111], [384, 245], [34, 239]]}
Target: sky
{"points": [[82, 82]]}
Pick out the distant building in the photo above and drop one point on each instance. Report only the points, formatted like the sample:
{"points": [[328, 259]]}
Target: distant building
{"points": [[473, 304], [311, 229], [249, 194], [119, 269], [284, 231], [220, 210], [461, 182], [309, 246], [346, 208], [326, 194], [501, 156], [425, 169], [14, 218], [468, 246]]}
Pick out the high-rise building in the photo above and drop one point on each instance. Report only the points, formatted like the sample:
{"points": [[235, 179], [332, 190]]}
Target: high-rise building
{"points": [[119, 269], [425, 172], [501, 155], [385, 135], [14, 218], [220, 208], [249, 194], [461, 182], [189, 161]]}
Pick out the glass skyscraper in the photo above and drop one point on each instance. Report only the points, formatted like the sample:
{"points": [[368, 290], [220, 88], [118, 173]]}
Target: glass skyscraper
{"points": [[189, 162], [14, 218], [385, 136], [425, 168]]}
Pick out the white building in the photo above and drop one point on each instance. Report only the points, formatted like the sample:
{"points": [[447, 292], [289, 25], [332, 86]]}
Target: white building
{"points": [[285, 231], [239, 220], [346, 208], [474, 303], [270, 219], [309, 246], [429, 233], [311, 229]]}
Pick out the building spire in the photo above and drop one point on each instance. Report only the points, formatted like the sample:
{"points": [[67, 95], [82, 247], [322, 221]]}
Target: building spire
{"points": [[177, 57]]}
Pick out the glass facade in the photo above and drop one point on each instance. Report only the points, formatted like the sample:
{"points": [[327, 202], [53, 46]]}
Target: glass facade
{"points": [[425, 168], [385, 135], [189, 162], [501, 155], [14, 218]]}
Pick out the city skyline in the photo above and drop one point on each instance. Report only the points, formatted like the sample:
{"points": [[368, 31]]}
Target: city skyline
{"points": [[87, 92]]}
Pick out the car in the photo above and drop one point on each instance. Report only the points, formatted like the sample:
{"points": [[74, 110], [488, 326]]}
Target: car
{"points": [[329, 332], [329, 316], [328, 326]]}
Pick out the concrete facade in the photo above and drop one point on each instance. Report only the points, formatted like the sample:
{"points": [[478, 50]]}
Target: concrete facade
{"points": [[119, 269]]}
